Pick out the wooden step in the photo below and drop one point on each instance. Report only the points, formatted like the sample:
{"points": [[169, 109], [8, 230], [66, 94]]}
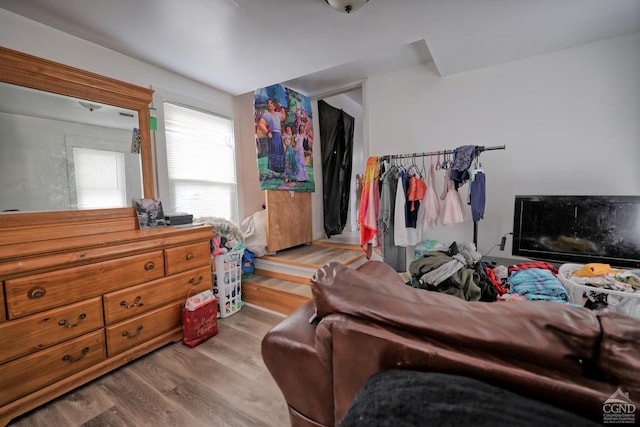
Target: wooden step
{"points": [[329, 244], [282, 296], [303, 261], [281, 282]]}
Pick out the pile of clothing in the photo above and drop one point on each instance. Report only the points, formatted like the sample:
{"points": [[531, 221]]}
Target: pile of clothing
{"points": [[455, 270], [226, 235], [603, 276], [458, 270]]}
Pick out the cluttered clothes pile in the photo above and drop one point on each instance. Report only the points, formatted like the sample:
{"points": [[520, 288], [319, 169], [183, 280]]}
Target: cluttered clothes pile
{"points": [[226, 235], [603, 276], [454, 270], [458, 270]]}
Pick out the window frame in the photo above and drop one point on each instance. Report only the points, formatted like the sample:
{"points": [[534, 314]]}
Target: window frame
{"points": [[160, 147]]}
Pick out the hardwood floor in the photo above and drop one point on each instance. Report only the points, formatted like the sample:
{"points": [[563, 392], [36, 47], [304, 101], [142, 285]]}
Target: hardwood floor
{"points": [[221, 382]]}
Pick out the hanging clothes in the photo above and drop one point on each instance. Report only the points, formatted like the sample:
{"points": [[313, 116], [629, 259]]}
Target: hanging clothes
{"points": [[477, 195], [369, 207], [452, 211], [406, 233], [400, 220], [431, 204], [336, 135], [417, 189], [463, 156], [393, 255]]}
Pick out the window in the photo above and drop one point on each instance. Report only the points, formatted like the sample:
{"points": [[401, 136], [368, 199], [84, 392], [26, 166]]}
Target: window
{"points": [[100, 179], [200, 162]]}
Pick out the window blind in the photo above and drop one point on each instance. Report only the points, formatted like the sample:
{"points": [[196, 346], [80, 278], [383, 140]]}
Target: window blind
{"points": [[99, 178], [201, 162]]}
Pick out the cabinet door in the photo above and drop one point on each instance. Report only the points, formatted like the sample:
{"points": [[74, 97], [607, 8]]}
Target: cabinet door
{"points": [[288, 219]]}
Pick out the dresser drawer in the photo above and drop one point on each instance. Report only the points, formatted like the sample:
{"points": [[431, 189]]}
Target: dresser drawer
{"points": [[32, 294], [186, 257], [32, 372], [130, 333], [129, 302], [42, 330]]}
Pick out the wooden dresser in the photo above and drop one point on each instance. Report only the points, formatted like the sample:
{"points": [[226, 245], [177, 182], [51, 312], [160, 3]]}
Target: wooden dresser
{"points": [[83, 294]]}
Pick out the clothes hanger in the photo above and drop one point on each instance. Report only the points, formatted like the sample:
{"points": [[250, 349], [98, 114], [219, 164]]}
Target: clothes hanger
{"points": [[413, 168], [477, 167]]}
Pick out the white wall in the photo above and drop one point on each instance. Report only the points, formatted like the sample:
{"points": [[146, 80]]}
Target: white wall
{"points": [[251, 197], [570, 121]]}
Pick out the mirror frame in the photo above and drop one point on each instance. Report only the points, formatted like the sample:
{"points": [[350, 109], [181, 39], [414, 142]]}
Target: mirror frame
{"points": [[37, 73]]}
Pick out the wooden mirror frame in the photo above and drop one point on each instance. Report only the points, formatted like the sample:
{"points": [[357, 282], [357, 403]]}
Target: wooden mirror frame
{"points": [[37, 73]]}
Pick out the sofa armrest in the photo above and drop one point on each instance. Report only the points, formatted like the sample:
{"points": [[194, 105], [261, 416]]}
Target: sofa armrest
{"points": [[288, 351]]}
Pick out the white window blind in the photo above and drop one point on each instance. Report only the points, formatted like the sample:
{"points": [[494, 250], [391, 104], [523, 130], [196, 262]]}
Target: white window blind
{"points": [[100, 178], [200, 162]]}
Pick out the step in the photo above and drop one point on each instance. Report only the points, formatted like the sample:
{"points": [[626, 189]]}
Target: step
{"points": [[282, 296], [281, 281], [303, 261]]}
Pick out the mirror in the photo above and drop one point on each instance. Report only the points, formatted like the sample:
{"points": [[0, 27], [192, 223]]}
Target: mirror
{"points": [[62, 153], [82, 123]]}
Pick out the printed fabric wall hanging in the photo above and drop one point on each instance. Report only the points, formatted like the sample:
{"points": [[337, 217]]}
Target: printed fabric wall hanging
{"points": [[284, 139]]}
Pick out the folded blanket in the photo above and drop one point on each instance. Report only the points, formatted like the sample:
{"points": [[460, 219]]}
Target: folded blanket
{"points": [[538, 284]]}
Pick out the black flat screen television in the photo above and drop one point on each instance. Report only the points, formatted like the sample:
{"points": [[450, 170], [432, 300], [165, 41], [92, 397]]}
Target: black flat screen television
{"points": [[578, 229]]}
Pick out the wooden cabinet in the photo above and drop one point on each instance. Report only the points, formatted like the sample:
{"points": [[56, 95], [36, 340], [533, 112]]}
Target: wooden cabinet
{"points": [[288, 219], [74, 307]]}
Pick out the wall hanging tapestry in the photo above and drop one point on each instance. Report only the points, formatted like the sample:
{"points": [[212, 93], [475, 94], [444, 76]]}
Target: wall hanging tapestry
{"points": [[284, 139]]}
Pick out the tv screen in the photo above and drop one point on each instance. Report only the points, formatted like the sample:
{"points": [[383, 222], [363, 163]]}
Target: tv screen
{"points": [[578, 229]]}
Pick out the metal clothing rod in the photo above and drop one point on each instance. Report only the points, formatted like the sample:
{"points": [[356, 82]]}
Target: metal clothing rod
{"points": [[479, 149]]}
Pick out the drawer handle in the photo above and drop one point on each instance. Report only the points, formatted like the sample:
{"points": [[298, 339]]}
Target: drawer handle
{"points": [[126, 334], [37, 293], [190, 256], [132, 305], [149, 266], [68, 358], [64, 323], [194, 282]]}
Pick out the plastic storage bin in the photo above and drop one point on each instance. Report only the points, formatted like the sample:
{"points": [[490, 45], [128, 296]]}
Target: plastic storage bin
{"points": [[227, 284], [622, 302]]}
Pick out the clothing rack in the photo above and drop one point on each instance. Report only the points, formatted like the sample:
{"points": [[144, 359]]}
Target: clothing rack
{"points": [[479, 149]]}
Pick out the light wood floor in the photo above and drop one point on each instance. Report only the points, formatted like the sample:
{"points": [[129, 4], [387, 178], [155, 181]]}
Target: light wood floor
{"points": [[221, 382]]}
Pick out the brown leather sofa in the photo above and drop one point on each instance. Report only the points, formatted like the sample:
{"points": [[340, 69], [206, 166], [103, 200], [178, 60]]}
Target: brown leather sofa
{"points": [[367, 320]]}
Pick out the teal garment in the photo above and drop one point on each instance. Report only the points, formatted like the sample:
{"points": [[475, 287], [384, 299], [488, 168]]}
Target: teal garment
{"points": [[538, 284]]}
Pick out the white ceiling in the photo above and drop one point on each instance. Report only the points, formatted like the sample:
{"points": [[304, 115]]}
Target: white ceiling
{"points": [[240, 45]]}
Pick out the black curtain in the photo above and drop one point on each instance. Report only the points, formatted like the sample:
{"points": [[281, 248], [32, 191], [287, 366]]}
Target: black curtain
{"points": [[336, 146]]}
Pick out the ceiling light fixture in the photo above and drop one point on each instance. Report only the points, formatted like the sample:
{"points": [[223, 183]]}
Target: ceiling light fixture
{"points": [[346, 6], [89, 106]]}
